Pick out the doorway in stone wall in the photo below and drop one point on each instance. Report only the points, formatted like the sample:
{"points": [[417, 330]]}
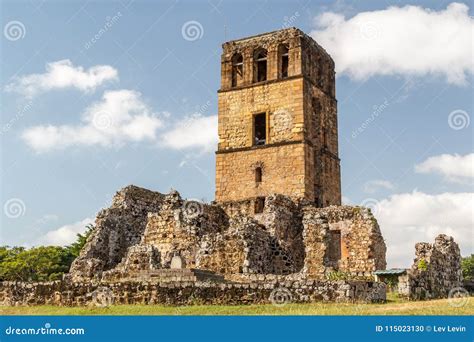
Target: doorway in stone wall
{"points": [[335, 248]]}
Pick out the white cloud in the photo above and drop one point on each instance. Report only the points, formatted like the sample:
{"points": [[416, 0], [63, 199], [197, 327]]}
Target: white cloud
{"points": [[120, 116], [64, 235], [60, 75], [198, 132], [408, 218], [405, 41], [373, 186], [454, 168]]}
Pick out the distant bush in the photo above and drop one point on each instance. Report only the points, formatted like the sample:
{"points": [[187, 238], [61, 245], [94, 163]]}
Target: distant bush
{"points": [[41, 263], [467, 265]]}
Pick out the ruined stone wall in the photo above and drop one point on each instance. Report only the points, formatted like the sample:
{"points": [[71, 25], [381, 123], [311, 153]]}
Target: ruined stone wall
{"points": [[282, 218], [288, 237], [361, 239], [240, 250], [362, 248], [117, 228], [238, 208], [316, 242], [436, 269], [187, 293], [178, 227]]}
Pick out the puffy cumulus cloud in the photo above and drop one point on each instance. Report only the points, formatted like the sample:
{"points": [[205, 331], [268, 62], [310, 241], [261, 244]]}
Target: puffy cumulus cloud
{"points": [[60, 75], [407, 40], [64, 235], [408, 218], [120, 116], [373, 186], [194, 132], [454, 168]]}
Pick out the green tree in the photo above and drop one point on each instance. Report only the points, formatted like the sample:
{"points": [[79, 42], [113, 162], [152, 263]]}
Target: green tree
{"points": [[35, 264], [467, 265], [75, 247], [41, 263]]}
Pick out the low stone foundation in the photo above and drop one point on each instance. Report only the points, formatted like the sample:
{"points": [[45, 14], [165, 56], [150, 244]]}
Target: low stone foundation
{"points": [[166, 275], [188, 293]]}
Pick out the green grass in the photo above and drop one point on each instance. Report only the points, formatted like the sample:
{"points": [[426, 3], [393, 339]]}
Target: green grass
{"points": [[392, 307]]}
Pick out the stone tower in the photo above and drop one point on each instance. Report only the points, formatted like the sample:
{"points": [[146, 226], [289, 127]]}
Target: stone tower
{"points": [[277, 121]]}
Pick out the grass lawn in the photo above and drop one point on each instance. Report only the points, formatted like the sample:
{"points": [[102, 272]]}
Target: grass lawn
{"points": [[392, 307]]}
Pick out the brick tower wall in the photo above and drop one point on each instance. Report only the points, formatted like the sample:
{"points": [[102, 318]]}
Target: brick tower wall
{"points": [[291, 160]]}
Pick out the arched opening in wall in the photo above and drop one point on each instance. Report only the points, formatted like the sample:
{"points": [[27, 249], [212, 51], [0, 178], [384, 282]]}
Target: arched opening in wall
{"points": [[259, 205], [284, 61], [258, 175], [260, 65], [237, 69]]}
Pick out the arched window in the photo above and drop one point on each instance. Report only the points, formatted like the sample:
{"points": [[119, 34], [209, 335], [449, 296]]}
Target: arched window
{"points": [[237, 69], [260, 65], [284, 61], [258, 175]]}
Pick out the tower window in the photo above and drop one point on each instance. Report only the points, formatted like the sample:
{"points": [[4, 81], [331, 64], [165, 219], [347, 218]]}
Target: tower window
{"points": [[260, 129], [237, 69], [259, 205], [284, 61], [260, 66], [258, 175]]}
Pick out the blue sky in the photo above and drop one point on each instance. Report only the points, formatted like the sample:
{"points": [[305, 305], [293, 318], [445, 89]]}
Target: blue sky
{"points": [[151, 70]]}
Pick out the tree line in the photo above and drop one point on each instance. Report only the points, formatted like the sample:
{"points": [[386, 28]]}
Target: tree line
{"points": [[42, 263]]}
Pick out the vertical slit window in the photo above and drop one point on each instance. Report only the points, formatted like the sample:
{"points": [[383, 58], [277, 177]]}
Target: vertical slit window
{"points": [[284, 61], [258, 175], [260, 129]]}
